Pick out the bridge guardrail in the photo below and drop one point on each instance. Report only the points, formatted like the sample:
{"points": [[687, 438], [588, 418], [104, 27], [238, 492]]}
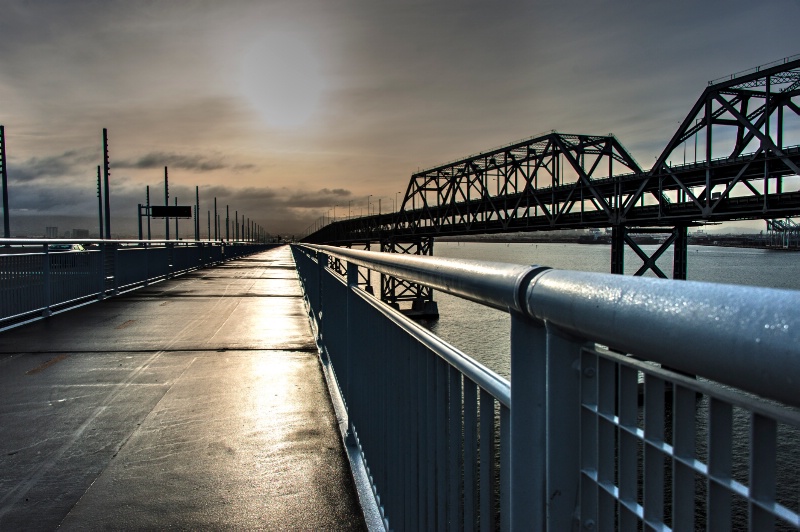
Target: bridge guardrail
{"points": [[575, 448], [36, 280]]}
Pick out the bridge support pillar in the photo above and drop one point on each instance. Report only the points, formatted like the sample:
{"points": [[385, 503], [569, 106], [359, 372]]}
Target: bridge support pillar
{"points": [[680, 252], [395, 291], [621, 236], [618, 234]]}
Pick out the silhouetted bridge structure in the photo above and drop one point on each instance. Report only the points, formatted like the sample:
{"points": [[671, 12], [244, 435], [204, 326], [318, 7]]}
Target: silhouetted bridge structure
{"points": [[741, 135]]}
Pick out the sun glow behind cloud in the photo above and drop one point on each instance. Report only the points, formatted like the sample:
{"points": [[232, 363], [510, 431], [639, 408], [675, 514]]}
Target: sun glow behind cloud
{"points": [[281, 78]]}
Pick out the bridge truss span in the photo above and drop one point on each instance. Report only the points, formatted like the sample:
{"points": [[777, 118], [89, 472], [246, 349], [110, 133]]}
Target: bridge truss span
{"points": [[735, 156], [548, 178]]}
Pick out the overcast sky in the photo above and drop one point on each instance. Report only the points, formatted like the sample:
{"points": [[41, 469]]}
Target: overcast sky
{"points": [[284, 109]]}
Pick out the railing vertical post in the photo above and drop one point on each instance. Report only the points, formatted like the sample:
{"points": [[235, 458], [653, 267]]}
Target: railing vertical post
{"points": [[352, 323], [116, 268], [563, 428], [47, 281], [487, 437], [170, 248], [322, 262], [146, 265], [528, 427], [101, 273]]}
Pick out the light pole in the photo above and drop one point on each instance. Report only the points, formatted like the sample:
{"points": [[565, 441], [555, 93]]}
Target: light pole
{"points": [[166, 201], [396, 206], [349, 203], [368, 204], [334, 212], [6, 226]]}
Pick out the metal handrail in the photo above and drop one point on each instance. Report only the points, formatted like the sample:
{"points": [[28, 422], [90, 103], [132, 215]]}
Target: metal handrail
{"points": [[747, 337], [579, 407], [721, 332]]}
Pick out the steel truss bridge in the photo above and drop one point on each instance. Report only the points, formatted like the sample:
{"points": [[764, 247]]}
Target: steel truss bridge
{"points": [[741, 134]]}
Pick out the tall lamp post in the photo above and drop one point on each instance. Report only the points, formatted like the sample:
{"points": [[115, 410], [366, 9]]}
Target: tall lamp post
{"points": [[6, 226], [107, 193]]}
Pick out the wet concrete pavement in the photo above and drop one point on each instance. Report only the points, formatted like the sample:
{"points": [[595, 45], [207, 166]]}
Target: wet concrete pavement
{"points": [[195, 403]]}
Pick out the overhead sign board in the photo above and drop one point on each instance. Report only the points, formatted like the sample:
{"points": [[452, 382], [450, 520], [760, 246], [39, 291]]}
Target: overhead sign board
{"points": [[173, 211]]}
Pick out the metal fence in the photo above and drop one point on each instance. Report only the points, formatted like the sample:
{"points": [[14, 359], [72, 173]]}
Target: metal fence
{"points": [[637, 403], [37, 278]]}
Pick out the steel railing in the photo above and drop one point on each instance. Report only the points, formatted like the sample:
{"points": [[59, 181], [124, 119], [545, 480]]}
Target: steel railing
{"points": [[37, 279], [637, 402]]}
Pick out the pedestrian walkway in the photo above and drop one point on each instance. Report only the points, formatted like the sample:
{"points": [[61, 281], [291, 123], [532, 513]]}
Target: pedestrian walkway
{"points": [[195, 403]]}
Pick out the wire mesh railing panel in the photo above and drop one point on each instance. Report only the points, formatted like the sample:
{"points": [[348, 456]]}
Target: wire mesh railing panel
{"points": [[73, 276], [22, 284]]}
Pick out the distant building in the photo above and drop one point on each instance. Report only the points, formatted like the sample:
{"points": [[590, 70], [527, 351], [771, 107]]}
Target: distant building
{"points": [[80, 233], [51, 232]]}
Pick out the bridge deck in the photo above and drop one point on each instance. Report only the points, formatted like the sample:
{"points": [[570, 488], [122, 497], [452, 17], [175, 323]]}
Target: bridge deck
{"points": [[194, 403]]}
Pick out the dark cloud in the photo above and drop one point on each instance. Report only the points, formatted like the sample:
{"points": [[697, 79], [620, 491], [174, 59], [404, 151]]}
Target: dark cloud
{"points": [[80, 165], [335, 192], [176, 160], [322, 199], [62, 166]]}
